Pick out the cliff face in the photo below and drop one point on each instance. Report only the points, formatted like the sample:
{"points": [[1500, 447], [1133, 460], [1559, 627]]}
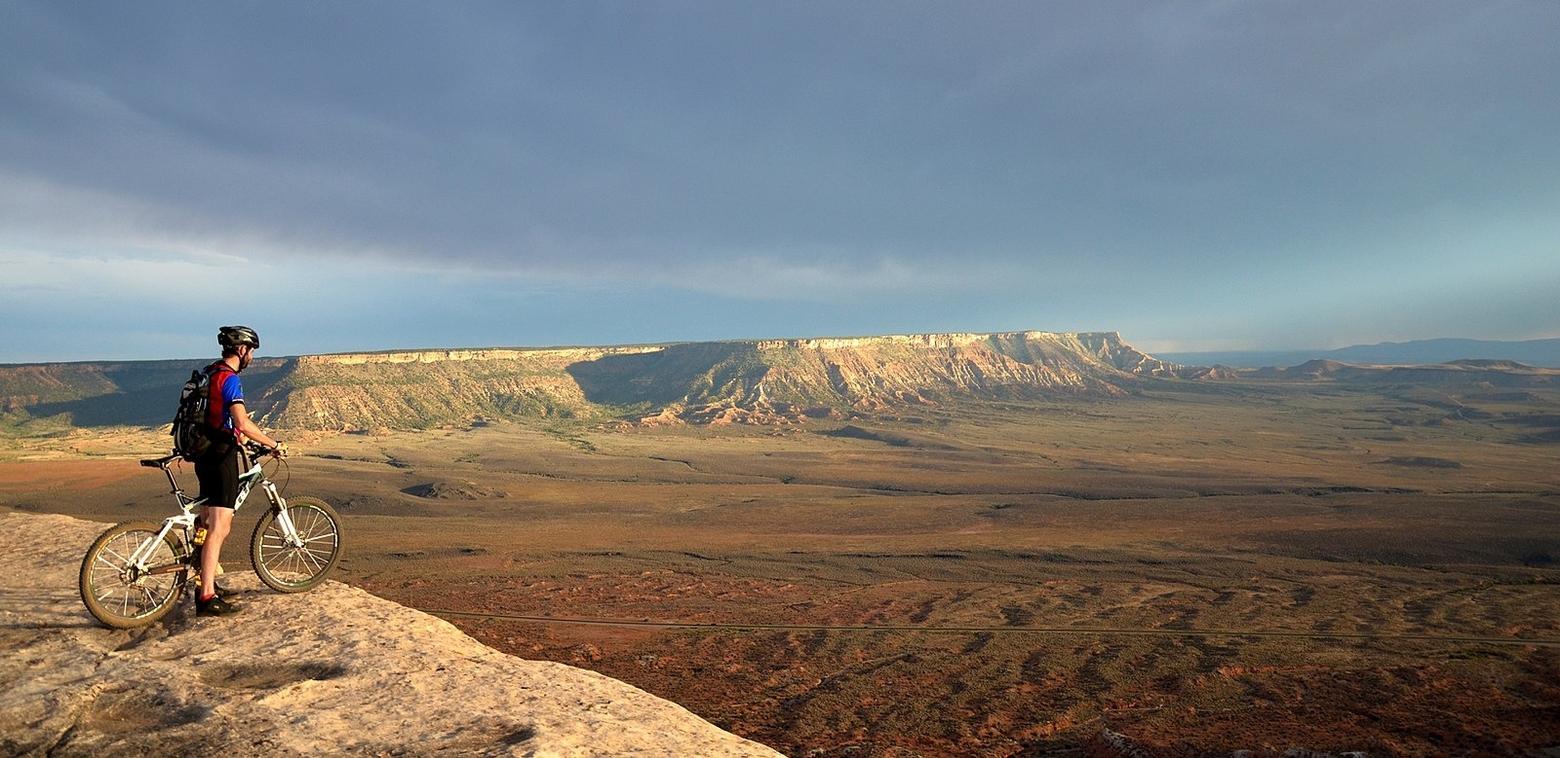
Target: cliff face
{"points": [[427, 388], [879, 371], [703, 381], [332, 671], [700, 381]]}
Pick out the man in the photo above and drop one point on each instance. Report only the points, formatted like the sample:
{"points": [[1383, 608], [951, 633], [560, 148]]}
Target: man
{"points": [[228, 424]]}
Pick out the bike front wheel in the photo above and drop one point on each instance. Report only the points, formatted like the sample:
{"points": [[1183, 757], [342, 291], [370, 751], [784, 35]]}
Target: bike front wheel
{"points": [[125, 596], [287, 565]]}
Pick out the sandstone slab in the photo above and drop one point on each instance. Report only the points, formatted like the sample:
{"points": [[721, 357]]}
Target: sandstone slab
{"points": [[335, 670]]}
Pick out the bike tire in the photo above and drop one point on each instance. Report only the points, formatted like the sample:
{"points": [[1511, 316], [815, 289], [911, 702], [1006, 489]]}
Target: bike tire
{"points": [[101, 577], [286, 568]]}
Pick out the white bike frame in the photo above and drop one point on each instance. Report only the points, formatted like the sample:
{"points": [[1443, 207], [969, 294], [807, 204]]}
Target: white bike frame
{"points": [[186, 518]]}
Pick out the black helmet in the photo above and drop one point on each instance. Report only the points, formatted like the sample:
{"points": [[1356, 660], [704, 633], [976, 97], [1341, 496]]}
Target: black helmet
{"points": [[233, 336]]}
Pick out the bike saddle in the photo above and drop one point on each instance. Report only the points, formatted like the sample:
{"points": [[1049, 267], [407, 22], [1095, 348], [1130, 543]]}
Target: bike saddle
{"points": [[158, 462]]}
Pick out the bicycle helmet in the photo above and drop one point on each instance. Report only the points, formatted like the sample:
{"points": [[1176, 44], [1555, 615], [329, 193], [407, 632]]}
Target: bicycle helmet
{"points": [[233, 336]]}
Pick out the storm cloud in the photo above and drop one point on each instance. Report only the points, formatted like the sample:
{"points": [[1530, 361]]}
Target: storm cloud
{"points": [[1194, 174]]}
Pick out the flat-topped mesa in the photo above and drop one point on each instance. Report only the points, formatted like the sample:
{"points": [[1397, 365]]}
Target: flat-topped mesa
{"points": [[871, 373], [748, 381], [1025, 347], [469, 354], [934, 340]]}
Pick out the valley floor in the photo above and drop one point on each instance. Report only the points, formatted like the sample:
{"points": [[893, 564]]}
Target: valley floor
{"points": [[977, 578]]}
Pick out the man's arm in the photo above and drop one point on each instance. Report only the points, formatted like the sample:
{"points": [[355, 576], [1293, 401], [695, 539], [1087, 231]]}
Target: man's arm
{"points": [[247, 427]]}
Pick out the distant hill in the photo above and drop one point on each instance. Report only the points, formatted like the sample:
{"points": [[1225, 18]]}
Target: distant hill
{"points": [[1544, 353], [1469, 373], [701, 382]]}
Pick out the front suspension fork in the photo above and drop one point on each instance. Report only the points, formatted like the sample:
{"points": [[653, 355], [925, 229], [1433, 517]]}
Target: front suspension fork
{"points": [[289, 532]]}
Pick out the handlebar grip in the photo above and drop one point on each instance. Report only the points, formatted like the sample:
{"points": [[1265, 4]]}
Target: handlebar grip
{"points": [[257, 449]]}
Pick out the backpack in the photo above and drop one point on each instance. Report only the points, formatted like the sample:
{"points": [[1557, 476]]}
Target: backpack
{"points": [[192, 437]]}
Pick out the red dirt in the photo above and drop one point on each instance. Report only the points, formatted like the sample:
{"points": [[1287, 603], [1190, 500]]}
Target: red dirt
{"points": [[899, 694], [77, 474]]}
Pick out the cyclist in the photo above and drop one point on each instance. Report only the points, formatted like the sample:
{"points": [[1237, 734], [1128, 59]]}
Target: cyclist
{"points": [[228, 424]]}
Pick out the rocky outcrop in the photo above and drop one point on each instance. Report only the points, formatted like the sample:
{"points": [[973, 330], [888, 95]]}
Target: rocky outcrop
{"points": [[1212, 373], [332, 671]]}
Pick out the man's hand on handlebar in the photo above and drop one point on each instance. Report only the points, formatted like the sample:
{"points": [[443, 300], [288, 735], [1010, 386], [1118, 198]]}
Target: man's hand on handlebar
{"points": [[256, 449]]}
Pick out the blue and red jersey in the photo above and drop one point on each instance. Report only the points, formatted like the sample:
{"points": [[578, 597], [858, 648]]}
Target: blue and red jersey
{"points": [[226, 391]]}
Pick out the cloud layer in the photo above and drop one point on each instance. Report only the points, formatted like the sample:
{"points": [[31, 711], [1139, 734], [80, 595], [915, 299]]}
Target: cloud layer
{"points": [[1227, 172]]}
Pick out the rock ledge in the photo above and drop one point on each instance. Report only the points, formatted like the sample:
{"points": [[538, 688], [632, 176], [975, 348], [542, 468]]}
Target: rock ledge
{"points": [[334, 670]]}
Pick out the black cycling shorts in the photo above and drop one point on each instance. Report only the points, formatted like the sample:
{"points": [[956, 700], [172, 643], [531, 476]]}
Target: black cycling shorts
{"points": [[217, 471]]}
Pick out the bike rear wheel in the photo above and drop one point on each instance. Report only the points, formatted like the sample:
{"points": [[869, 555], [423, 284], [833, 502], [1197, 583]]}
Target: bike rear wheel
{"points": [[124, 596], [295, 567]]}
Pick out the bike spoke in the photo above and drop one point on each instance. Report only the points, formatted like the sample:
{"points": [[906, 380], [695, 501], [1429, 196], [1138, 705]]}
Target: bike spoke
{"points": [[282, 563], [315, 520], [299, 528], [123, 560], [131, 544]]}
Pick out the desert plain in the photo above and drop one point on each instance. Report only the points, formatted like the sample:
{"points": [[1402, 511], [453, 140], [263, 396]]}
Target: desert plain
{"points": [[1194, 568]]}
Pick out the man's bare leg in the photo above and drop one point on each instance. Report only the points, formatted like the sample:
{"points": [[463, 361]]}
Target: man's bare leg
{"points": [[219, 521]]}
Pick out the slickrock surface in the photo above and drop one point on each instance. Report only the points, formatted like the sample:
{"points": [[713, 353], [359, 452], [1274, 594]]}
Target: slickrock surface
{"points": [[334, 670]]}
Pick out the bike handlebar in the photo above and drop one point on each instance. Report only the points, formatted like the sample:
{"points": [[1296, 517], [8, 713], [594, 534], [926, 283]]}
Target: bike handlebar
{"points": [[257, 449]]}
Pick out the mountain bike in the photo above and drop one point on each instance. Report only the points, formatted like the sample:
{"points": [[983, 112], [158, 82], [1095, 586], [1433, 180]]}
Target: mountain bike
{"points": [[136, 571]]}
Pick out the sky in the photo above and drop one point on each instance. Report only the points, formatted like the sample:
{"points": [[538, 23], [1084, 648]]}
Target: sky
{"points": [[364, 176]]}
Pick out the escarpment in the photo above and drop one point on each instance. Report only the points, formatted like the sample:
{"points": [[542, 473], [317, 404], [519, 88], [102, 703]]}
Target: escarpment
{"points": [[736, 381], [698, 382]]}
